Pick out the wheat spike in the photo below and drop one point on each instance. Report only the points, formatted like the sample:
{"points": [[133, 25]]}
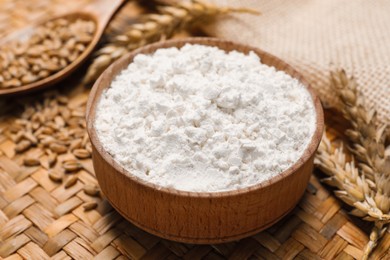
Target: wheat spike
{"points": [[171, 18], [368, 135], [364, 185]]}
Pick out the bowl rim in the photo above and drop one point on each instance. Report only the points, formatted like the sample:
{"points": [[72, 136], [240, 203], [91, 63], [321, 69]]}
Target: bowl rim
{"points": [[114, 69]]}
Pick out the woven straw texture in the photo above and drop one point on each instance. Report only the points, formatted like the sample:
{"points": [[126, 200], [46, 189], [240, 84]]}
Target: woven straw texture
{"points": [[42, 219], [312, 35]]}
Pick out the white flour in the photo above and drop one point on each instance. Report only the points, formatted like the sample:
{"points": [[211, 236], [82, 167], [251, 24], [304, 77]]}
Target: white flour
{"points": [[199, 119]]}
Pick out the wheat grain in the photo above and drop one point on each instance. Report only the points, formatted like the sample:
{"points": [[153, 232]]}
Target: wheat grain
{"points": [[50, 48], [70, 182], [55, 175], [81, 153], [72, 166], [91, 190], [22, 146], [90, 206], [58, 148], [31, 161], [154, 27], [52, 158]]}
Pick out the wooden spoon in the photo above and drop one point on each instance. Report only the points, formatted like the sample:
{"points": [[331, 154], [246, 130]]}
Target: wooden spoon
{"points": [[100, 12]]}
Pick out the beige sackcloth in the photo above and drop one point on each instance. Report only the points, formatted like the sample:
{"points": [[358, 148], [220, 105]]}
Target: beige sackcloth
{"points": [[311, 35]]}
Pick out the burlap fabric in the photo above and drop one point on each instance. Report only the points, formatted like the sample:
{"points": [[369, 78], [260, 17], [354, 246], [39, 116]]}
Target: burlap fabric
{"points": [[310, 35]]}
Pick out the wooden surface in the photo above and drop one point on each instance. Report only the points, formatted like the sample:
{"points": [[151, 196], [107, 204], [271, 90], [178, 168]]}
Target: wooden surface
{"points": [[99, 12], [317, 228], [199, 217]]}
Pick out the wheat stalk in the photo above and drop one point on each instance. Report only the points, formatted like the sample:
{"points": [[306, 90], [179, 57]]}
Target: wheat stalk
{"points": [[365, 183], [155, 27]]}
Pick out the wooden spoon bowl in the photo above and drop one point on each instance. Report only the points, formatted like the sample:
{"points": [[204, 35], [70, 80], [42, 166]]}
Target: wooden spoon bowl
{"points": [[200, 217], [98, 12]]}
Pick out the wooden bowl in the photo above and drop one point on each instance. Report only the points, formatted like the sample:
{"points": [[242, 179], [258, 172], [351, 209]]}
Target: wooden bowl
{"points": [[200, 217]]}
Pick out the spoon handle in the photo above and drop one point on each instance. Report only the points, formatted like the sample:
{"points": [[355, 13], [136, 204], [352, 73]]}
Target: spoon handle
{"points": [[103, 10]]}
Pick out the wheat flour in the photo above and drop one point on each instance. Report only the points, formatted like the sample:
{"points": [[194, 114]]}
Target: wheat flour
{"points": [[200, 119]]}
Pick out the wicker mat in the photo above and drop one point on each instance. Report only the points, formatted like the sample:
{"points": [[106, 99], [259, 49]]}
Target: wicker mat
{"points": [[42, 219]]}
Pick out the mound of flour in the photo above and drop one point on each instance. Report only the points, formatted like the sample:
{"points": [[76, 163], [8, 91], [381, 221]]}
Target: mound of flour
{"points": [[200, 119]]}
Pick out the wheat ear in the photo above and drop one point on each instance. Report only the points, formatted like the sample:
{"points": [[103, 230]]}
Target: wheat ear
{"points": [[155, 27], [365, 183]]}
